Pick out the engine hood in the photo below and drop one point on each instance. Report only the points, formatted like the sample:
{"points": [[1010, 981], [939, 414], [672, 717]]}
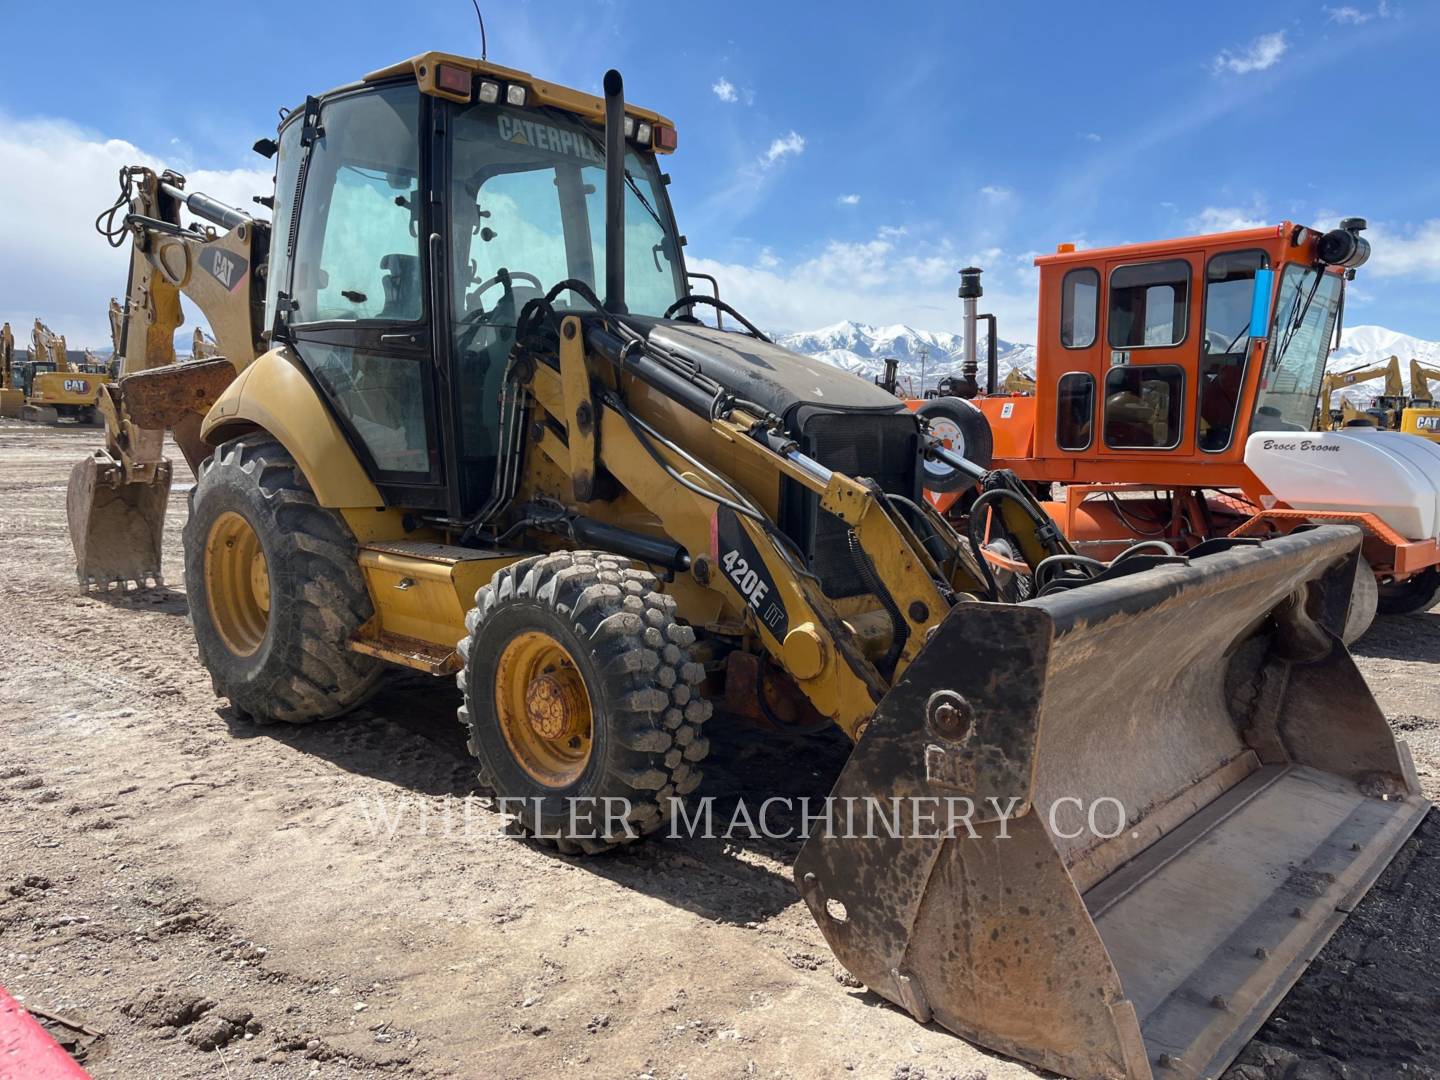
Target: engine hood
{"points": [[786, 383]]}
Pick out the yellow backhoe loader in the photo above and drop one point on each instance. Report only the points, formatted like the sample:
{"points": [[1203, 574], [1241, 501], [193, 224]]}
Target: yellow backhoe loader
{"points": [[12, 398], [56, 389], [1422, 414], [474, 427]]}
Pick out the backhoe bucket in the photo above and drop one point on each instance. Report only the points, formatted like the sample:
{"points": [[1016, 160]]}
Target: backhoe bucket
{"points": [[116, 526], [1262, 794]]}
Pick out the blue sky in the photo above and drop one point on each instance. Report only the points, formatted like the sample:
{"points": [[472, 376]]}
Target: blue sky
{"points": [[837, 160]]}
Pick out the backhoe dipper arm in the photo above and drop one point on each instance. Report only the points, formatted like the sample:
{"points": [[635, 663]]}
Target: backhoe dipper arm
{"points": [[217, 271]]}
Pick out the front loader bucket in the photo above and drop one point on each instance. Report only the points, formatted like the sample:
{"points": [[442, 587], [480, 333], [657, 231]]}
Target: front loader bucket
{"points": [[1262, 793], [116, 526]]}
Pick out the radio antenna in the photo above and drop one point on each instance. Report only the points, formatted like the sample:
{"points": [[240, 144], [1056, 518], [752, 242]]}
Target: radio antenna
{"points": [[483, 47]]}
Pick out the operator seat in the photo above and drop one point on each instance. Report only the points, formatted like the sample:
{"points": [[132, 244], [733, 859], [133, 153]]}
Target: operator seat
{"points": [[402, 286]]}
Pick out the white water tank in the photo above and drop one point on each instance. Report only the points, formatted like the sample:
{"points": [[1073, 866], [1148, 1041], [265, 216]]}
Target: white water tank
{"points": [[1389, 474]]}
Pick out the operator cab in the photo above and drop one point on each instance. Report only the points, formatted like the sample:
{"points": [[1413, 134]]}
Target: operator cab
{"points": [[417, 213], [1178, 350]]}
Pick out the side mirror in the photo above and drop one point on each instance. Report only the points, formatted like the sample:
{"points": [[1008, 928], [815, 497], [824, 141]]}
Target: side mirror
{"points": [[1260, 303]]}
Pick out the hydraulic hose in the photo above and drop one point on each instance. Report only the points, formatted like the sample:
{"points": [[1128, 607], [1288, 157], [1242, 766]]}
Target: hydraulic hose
{"points": [[900, 631]]}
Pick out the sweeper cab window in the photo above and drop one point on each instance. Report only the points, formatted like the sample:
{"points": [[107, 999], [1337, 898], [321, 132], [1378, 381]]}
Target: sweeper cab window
{"points": [[1149, 304]]}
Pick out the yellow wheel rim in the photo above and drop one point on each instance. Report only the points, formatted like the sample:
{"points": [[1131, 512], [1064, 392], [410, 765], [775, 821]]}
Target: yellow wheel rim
{"points": [[237, 583], [544, 709]]}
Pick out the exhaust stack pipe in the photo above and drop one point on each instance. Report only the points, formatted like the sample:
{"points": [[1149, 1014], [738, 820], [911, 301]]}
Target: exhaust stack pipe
{"points": [[970, 293], [614, 192], [992, 356]]}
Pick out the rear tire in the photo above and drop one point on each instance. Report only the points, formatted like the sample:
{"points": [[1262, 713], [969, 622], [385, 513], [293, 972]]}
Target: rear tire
{"points": [[274, 587], [1416, 593], [1363, 602], [590, 631]]}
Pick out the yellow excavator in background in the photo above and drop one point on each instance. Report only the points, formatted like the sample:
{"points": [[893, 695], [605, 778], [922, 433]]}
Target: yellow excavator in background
{"points": [[1422, 414], [1018, 382], [202, 346], [465, 421], [12, 398], [55, 388], [1384, 413]]}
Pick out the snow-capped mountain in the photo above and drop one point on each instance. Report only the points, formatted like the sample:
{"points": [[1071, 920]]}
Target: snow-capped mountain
{"points": [[862, 348], [1371, 346]]}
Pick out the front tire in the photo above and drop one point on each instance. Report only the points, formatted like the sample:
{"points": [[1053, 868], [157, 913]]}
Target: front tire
{"points": [[274, 587], [1364, 599], [579, 687], [1416, 593]]}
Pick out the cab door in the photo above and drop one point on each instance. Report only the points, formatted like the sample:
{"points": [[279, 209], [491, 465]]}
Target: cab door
{"points": [[1149, 346], [352, 273]]}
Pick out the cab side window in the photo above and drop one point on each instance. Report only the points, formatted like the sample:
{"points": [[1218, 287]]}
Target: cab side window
{"points": [[1079, 308], [1149, 304], [358, 251], [356, 273], [1075, 410], [1229, 288], [1144, 406]]}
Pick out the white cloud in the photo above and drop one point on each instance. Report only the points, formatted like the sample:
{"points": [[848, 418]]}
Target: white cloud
{"points": [[1215, 219], [1265, 51], [1404, 252], [891, 278], [724, 89], [793, 143], [849, 200], [54, 264], [996, 193], [1353, 16], [1089, 136]]}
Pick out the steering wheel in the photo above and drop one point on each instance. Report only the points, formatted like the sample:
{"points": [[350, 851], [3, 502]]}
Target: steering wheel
{"points": [[505, 277]]}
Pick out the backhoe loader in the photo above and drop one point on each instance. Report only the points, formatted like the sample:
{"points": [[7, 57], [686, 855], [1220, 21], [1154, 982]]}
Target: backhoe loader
{"points": [[475, 427]]}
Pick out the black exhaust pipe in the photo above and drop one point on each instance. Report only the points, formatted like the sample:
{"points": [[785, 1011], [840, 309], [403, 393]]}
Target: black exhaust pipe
{"points": [[970, 291], [992, 355], [614, 192]]}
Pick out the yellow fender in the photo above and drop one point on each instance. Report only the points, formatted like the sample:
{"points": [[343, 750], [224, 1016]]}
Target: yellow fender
{"points": [[272, 394]]}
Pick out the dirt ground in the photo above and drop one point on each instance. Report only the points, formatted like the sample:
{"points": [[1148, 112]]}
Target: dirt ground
{"points": [[315, 901]]}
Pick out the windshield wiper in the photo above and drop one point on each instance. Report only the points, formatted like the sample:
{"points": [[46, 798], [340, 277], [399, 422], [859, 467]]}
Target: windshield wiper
{"points": [[629, 182], [1298, 319]]}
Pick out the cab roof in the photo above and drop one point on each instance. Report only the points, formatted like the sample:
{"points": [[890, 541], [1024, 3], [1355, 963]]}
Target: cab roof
{"points": [[589, 106], [1263, 235]]}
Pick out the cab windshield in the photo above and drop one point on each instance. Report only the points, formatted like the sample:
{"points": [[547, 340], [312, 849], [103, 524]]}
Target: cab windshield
{"points": [[527, 205], [1304, 322], [527, 211]]}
